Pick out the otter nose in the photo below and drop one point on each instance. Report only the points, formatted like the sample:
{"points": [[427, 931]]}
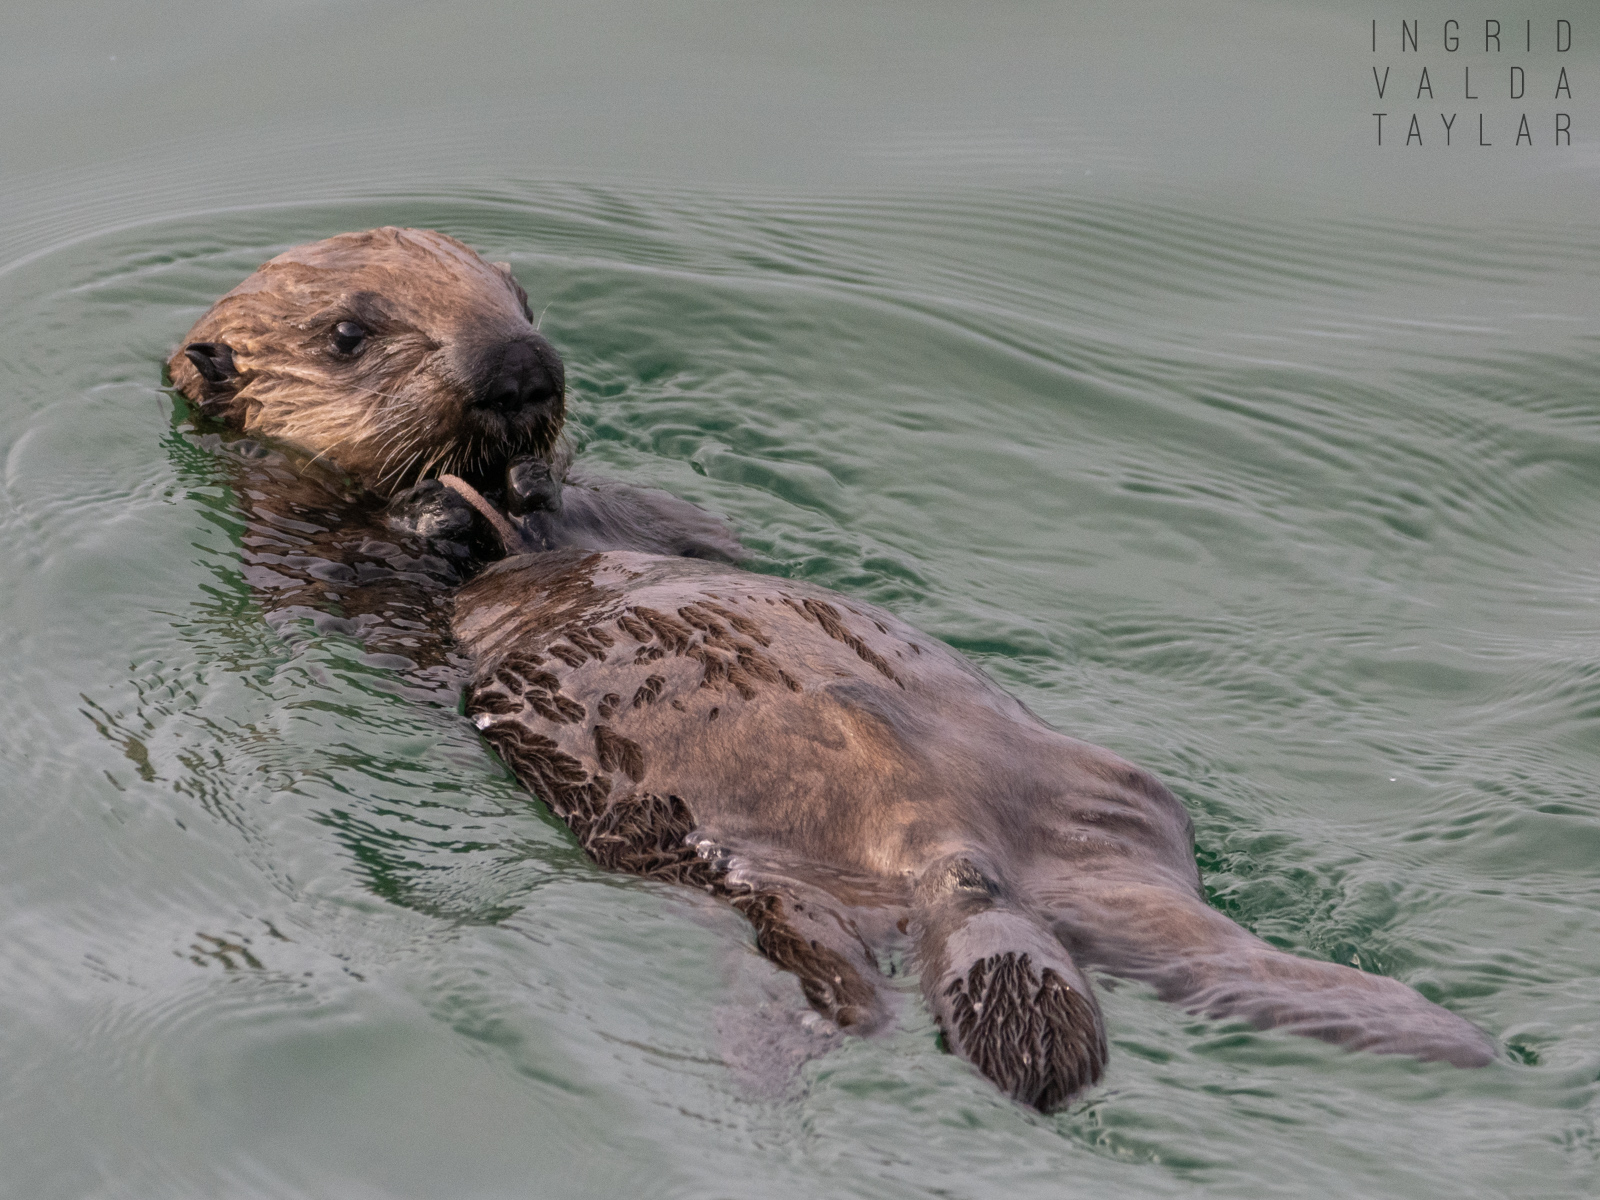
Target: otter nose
{"points": [[520, 381]]}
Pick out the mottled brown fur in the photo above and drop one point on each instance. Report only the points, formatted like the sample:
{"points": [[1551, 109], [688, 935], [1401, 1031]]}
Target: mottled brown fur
{"points": [[852, 785]]}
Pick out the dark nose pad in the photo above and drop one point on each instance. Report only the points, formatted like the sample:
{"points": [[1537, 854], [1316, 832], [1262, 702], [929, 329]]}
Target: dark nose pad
{"points": [[521, 381]]}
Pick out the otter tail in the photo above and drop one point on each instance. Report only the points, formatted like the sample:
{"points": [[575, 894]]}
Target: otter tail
{"points": [[1004, 990]]}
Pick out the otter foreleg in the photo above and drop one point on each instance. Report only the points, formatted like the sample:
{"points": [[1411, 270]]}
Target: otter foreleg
{"points": [[1198, 958], [1004, 989]]}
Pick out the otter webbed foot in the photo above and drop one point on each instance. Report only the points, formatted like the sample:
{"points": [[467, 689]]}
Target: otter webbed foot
{"points": [[1197, 958], [1003, 988], [445, 519]]}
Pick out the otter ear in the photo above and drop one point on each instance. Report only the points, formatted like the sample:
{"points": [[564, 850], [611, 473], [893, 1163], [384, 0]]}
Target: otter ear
{"points": [[214, 361], [522, 296]]}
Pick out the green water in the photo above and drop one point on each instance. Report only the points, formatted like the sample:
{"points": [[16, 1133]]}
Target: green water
{"points": [[1101, 341]]}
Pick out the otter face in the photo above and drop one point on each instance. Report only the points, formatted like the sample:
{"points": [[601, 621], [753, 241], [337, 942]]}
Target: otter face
{"points": [[395, 353]]}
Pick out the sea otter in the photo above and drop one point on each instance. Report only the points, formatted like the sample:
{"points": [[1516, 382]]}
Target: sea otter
{"points": [[847, 782], [361, 369]]}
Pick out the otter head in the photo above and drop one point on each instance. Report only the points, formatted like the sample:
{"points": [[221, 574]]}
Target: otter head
{"points": [[395, 353]]}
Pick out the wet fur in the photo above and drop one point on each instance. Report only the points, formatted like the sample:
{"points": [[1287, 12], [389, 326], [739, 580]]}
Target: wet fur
{"points": [[854, 786], [401, 409], [849, 784], [331, 441]]}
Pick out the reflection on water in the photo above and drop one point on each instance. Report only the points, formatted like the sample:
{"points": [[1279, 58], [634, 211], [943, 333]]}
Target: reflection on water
{"points": [[1285, 492]]}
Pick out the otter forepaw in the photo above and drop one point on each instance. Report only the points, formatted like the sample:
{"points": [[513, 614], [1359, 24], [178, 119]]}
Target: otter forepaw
{"points": [[444, 518], [531, 487]]}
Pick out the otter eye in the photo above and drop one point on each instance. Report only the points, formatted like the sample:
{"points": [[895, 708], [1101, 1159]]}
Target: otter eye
{"points": [[348, 336]]}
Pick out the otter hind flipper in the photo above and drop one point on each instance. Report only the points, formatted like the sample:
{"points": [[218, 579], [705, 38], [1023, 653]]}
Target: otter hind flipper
{"points": [[1197, 958], [1004, 990], [1037, 1037], [800, 931]]}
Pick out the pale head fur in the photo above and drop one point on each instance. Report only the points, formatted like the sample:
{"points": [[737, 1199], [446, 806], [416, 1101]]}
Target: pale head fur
{"points": [[436, 323]]}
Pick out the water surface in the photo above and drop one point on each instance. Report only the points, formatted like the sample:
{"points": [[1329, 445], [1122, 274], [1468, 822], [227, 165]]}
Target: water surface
{"points": [[1100, 342]]}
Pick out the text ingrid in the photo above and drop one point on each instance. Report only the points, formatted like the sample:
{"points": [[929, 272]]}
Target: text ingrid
{"points": [[1542, 86]]}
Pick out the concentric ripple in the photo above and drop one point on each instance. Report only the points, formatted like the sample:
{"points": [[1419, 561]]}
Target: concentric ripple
{"points": [[1291, 499]]}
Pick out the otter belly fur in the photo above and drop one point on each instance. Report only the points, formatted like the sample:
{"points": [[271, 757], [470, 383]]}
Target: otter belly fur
{"points": [[851, 785]]}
